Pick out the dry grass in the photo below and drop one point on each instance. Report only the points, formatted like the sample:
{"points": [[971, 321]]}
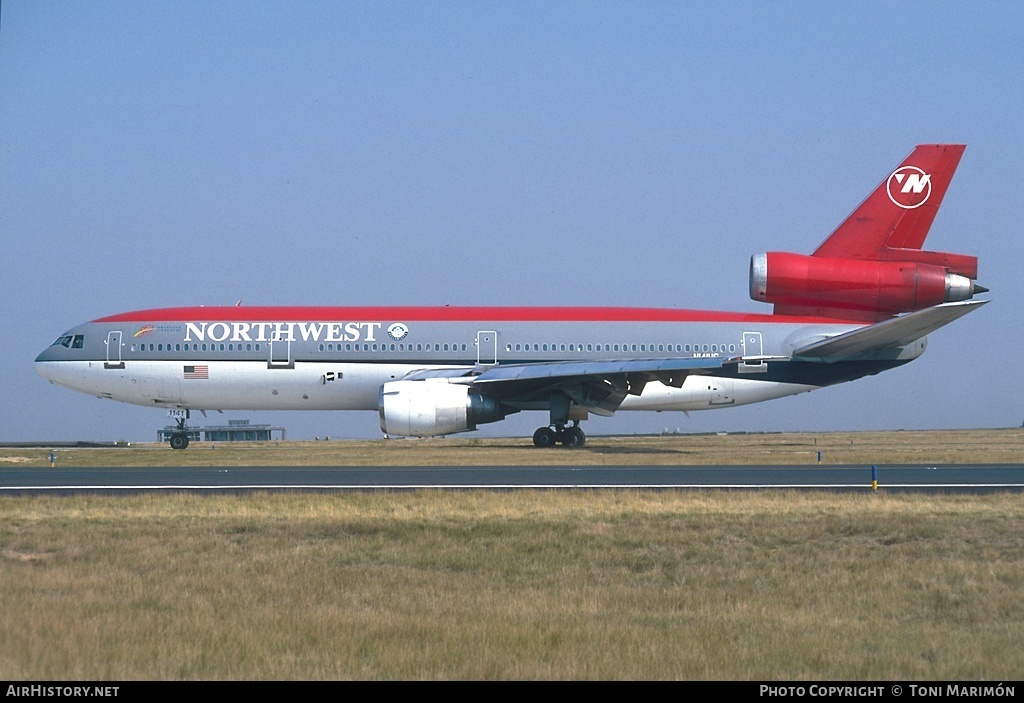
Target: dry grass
{"points": [[914, 447], [522, 585]]}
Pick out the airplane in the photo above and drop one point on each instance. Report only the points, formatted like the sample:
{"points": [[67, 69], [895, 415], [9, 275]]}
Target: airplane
{"points": [[863, 302]]}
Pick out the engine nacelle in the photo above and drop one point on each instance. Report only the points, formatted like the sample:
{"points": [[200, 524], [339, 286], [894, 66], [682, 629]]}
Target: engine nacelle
{"points": [[807, 283], [434, 407]]}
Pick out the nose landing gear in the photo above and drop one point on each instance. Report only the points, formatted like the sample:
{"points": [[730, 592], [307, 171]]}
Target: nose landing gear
{"points": [[179, 440]]}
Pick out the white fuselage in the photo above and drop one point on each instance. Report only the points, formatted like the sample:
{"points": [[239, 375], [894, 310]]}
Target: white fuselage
{"points": [[341, 358]]}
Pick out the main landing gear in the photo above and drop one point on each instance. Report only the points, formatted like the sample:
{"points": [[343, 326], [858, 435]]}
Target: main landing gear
{"points": [[556, 431], [572, 436]]}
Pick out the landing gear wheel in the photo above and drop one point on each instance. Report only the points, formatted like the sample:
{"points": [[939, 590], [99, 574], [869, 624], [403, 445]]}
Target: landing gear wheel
{"points": [[179, 441], [574, 437], [545, 437]]}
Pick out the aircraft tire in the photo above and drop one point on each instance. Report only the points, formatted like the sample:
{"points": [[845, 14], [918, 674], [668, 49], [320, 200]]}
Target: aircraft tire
{"points": [[574, 437], [545, 437], [179, 441]]}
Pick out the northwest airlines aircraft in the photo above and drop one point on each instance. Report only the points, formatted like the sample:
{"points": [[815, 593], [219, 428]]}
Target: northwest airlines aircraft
{"points": [[862, 303]]}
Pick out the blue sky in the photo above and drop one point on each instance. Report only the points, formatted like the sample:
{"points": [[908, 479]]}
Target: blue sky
{"points": [[176, 153]]}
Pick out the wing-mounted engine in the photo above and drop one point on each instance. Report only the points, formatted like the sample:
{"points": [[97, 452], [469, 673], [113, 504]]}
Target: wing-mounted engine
{"points": [[434, 407], [860, 289]]}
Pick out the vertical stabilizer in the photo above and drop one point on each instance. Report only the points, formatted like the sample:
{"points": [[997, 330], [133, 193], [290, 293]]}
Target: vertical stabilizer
{"points": [[900, 211], [872, 267]]}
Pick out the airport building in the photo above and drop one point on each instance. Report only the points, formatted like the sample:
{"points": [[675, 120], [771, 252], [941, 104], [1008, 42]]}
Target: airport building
{"points": [[234, 431]]}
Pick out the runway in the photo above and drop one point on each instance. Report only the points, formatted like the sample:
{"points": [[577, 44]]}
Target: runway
{"points": [[895, 477]]}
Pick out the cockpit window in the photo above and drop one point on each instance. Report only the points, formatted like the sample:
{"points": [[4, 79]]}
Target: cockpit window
{"points": [[70, 341]]}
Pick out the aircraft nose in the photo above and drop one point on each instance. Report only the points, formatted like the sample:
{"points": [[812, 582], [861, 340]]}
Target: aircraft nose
{"points": [[43, 365], [46, 364], [44, 356]]}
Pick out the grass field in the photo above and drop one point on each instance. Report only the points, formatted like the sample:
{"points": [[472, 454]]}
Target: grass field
{"points": [[527, 585], [519, 585]]}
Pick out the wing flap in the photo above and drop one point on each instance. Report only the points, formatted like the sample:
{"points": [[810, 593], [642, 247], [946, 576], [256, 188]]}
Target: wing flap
{"points": [[598, 386], [568, 369]]}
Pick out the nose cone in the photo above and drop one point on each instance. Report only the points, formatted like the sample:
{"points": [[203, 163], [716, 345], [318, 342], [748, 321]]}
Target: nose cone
{"points": [[54, 352], [64, 367], [64, 349], [45, 363]]}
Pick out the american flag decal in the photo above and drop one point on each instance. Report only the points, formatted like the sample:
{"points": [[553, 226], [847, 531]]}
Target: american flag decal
{"points": [[194, 372]]}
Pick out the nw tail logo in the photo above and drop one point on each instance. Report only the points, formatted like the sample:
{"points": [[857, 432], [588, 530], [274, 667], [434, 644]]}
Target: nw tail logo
{"points": [[909, 187]]}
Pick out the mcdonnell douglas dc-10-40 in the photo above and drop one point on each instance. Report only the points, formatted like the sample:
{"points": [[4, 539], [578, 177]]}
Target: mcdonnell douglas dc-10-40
{"points": [[862, 303]]}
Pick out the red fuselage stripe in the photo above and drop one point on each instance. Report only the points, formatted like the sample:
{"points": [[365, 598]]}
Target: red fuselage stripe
{"points": [[451, 314]]}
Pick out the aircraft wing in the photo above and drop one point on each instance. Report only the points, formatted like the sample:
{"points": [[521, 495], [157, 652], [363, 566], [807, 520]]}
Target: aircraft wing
{"points": [[897, 332], [655, 368], [598, 386]]}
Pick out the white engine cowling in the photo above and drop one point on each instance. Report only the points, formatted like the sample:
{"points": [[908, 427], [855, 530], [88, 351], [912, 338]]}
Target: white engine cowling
{"points": [[433, 407]]}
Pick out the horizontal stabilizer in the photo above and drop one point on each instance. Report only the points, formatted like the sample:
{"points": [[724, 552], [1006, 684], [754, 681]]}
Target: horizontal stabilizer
{"points": [[897, 332]]}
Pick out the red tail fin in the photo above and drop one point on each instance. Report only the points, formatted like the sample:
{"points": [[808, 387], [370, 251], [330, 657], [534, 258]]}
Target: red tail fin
{"points": [[898, 214], [872, 267]]}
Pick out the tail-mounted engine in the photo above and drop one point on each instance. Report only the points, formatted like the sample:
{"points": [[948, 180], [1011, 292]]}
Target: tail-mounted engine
{"points": [[861, 289]]}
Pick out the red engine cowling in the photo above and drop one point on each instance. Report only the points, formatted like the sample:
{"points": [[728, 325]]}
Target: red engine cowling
{"points": [[852, 288]]}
